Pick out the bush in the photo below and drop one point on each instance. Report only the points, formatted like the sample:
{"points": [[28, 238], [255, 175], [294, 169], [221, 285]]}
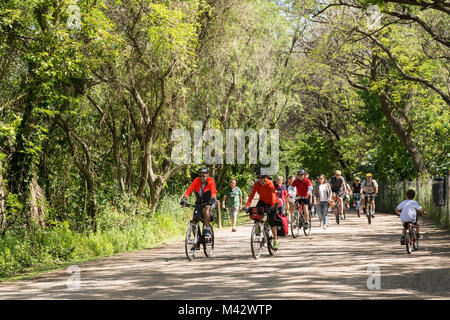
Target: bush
{"points": [[118, 231]]}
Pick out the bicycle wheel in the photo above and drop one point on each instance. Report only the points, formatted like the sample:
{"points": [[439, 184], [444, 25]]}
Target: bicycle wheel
{"points": [[208, 243], [256, 240], [408, 242], [336, 212], [190, 243], [369, 213], [307, 229], [270, 241], [415, 241], [358, 209], [295, 224]]}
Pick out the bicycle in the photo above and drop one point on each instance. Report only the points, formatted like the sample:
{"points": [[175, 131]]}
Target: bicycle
{"points": [[336, 209], [411, 240], [195, 236], [298, 220], [357, 203], [368, 206], [261, 234]]}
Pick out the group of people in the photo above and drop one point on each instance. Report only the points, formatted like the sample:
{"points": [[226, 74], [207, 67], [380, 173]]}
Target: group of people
{"points": [[322, 194]]}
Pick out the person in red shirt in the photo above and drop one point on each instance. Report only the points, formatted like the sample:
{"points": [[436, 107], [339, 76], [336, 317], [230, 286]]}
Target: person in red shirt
{"points": [[206, 197], [281, 193], [304, 189], [267, 198]]}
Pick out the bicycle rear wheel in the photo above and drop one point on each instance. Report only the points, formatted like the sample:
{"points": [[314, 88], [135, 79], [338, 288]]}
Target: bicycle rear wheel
{"points": [[295, 224], [408, 242], [208, 243], [369, 213], [415, 241], [256, 240], [190, 243]]}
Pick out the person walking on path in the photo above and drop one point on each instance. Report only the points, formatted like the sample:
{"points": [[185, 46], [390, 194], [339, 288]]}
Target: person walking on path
{"points": [[322, 199], [233, 202], [292, 192]]}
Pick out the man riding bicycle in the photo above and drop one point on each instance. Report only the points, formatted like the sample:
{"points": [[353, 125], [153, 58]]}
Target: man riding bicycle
{"points": [[369, 187], [267, 198], [304, 190], [339, 188], [206, 197]]}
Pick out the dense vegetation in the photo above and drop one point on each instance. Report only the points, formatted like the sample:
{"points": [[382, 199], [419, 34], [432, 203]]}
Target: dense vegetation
{"points": [[90, 93]]}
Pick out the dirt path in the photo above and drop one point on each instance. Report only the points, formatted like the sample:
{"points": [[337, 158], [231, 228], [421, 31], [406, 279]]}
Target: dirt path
{"points": [[329, 264]]}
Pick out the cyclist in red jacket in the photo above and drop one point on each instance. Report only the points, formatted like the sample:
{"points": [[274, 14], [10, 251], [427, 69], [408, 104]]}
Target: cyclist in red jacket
{"points": [[206, 197], [267, 198], [304, 190]]}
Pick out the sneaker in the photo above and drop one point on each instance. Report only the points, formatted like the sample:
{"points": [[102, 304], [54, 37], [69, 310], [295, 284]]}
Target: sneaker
{"points": [[324, 226], [275, 245], [402, 240], [320, 224], [233, 230], [207, 232], [419, 236]]}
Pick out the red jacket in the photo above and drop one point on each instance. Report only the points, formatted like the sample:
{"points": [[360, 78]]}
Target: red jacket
{"points": [[209, 191], [266, 193]]}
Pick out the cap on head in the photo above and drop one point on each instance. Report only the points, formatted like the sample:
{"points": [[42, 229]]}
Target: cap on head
{"points": [[338, 172], [357, 179], [368, 175], [300, 172]]}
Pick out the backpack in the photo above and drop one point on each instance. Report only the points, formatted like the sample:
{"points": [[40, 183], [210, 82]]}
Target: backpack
{"points": [[282, 223]]}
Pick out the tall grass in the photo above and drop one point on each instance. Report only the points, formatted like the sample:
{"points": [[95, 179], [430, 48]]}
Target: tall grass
{"points": [[126, 226]]}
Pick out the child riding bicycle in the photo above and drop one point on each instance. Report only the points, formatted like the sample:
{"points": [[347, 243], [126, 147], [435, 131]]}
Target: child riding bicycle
{"points": [[407, 210]]}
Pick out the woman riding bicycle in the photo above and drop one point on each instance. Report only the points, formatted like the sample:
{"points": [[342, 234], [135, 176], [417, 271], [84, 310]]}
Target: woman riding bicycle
{"points": [[267, 198]]}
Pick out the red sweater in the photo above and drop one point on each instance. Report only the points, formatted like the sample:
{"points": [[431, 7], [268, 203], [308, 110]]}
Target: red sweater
{"points": [[267, 193]]}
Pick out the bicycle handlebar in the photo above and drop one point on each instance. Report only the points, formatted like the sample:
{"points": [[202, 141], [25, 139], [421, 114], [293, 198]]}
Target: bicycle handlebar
{"points": [[187, 205]]}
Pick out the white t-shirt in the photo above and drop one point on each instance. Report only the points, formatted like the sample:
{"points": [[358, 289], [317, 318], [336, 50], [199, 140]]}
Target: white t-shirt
{"points": [[369, 187], [408, 210], [292, 191], [323, 192]]}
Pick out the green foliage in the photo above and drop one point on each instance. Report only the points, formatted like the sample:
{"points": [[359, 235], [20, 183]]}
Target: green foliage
{"points": [[119, 231]]}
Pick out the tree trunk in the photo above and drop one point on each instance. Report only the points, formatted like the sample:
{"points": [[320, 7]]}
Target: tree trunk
{"points": [[2, 200], [403, 136]]}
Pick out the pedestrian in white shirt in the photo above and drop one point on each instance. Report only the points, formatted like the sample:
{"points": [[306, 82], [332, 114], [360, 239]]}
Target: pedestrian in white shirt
{"points": [[322, 199]]}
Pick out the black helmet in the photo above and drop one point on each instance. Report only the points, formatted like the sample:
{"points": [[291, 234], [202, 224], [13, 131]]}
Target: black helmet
{"points": [[203, 170], [299, 172]]}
